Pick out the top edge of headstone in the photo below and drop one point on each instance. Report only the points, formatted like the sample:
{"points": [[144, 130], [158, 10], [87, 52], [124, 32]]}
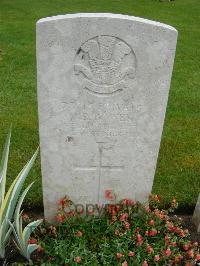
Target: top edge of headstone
{"points": [[106, 15]]}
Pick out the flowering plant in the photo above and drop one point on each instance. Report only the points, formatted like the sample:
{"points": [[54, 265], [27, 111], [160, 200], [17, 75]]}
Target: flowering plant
{"points": [[126, 233]]}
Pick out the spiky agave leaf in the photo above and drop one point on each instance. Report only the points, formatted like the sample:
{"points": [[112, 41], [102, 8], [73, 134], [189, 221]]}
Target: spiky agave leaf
{"points": [[18, 186], [30, 228], [4, 237], [4, 230], [3, 167], [9, 201], [17, 215], [22, 236], [30, 249]]}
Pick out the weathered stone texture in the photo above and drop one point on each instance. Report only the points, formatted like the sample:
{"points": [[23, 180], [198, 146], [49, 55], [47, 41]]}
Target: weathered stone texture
{"points": [[103, 83]]}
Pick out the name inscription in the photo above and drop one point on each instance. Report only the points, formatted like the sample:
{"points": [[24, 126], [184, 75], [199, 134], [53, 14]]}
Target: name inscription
{"points": [[104, 119]]}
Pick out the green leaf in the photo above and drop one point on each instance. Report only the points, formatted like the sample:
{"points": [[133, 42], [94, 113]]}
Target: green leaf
{"points": [[9, 201], [17, 210], [30, 249], [3, 167], [7, 235], [18, 185], [18, 242], [3, 230], [30, 228]]}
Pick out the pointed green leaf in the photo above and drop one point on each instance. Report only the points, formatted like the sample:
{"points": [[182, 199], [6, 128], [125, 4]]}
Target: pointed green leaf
{"points": [[18, 207], [3, 167], [29, 229], [7, 236], [17, 188], [19, 241], [3, 207], [30, 249], [4, 227]]}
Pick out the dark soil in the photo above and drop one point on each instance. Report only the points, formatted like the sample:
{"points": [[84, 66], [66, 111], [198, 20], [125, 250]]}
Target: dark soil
{"points": [[187, 223]]}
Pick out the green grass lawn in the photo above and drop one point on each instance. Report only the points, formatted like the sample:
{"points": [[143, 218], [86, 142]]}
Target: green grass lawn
{"points": [[178, 169]]}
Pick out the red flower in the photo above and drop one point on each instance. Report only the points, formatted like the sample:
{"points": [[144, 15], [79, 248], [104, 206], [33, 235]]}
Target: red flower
{"points": [[177, 229], [71, 213], [167, 240], [113, 209], [145, 263], [139, 239], [125, 263], [149, 249], [128, 202], [127, 225], [152, 232], [123, 216], [63, 202], [110, 208], [77, 259], [198, 257], [156, 258], [109, 194], [60, 218], [174, 244], [182, 233], [119, 256], [188, 264], [117, 208], [113, 212], [186, 247], [151, 222], [32, 241], [190, 253], [131, 254], [168, 252]]}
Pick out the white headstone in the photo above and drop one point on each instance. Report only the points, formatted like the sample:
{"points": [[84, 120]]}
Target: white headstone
{"points": [[103, 83], [196, 215]]}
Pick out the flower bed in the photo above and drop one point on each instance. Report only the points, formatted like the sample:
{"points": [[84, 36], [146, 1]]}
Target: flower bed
{"points": [[124, 233]]}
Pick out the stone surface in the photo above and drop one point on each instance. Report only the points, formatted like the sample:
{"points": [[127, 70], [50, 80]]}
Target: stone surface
{"points": [[103, 83], [196, 215]]}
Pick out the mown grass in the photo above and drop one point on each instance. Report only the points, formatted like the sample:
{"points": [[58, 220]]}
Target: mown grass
{"points": [[178, 169]]}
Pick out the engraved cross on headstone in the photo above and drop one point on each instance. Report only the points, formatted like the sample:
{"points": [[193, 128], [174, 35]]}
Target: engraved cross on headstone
{"points": [[100, 167]]}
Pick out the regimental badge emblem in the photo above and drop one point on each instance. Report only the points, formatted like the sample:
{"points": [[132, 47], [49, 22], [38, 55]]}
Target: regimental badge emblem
{"points": [[104, 65]]}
